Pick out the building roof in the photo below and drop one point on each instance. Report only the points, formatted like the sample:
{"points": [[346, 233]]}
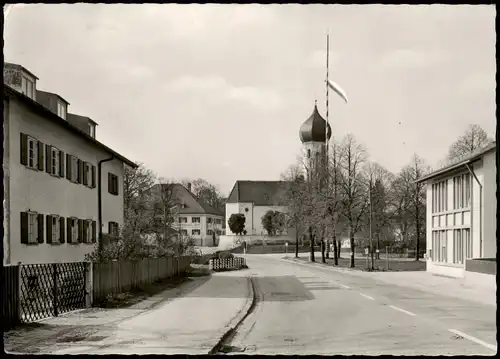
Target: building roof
{"points": [[10, 64], [261, 193], [459, 162], [49, 115], [47, 93], [200, 207], [313, 129]]}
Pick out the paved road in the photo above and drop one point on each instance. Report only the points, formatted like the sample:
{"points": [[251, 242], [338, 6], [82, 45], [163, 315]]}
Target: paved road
{"points": [[304, 309]]}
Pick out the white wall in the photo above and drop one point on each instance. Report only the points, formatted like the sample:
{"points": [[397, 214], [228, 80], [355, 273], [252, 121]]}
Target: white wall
{"points": [[43, 193], [489, 206], [6, 181]]}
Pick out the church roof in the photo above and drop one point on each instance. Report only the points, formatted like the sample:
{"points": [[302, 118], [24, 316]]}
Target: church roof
{"points": [[260, 193], [313, 129]]}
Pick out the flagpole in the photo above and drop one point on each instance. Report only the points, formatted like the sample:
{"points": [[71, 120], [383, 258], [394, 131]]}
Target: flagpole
{"points": [[327, 93]]}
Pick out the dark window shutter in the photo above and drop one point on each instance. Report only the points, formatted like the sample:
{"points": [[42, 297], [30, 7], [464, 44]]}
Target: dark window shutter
{"points": [[68, 166], [93, 177], [24, 227], [40, 228], [61, 227], [61, 164], [24, 149], [116, 185], [79, 164], [110, 227], [48, 159], [40, 155], [85, 174], [110, 189], [80, 230], [94, 231], [49, 228], [69, 222]]}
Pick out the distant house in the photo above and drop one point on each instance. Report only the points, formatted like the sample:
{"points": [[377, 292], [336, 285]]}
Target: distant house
{"points": [[55, 201], [254, 199], [461, 213], [192, 216]]}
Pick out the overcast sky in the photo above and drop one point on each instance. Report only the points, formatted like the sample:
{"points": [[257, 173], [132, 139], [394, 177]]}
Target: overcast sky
{"points": [[220, 91]]}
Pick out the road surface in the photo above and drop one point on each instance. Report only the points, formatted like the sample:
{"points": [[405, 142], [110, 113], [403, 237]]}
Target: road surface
{"points": [[303, 309]]}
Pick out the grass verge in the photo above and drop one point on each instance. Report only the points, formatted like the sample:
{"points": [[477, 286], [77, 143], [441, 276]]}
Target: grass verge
{"points": [[380, 265]]}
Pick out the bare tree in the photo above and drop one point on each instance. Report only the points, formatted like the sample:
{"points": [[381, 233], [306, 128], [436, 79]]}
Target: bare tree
{"points": [[473, 138], [417, 170], [353, 193], [206, 191]]}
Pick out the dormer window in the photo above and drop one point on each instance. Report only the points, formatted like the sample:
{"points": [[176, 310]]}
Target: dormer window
{"points": [[28, 87], [92, 130], [61, 109]]}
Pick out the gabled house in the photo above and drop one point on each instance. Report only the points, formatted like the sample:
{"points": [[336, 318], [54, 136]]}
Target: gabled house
{"points": [[461, 213], [192, 216], [63, 188], [254, 199]]}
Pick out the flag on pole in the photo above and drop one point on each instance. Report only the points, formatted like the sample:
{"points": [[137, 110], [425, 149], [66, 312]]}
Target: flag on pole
{"points": [[337, 89]]}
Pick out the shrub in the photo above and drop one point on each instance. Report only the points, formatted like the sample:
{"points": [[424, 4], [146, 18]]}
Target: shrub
{"points": [[224, 255]]}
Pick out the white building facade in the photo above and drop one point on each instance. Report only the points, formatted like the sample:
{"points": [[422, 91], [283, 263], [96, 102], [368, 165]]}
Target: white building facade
{"points": [[51, 168], [461, 213]]}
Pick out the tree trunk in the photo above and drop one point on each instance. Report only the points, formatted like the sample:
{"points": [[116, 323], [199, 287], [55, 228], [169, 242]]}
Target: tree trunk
{"points": [[327, 255], [339, 247], [323, 259], [296, 242], [417, 225], [335, 252], [378, 245], [352, 249], [311, 239]]}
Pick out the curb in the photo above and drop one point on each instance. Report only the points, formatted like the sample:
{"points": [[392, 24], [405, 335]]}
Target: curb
{"points": [[332, 268], [239, 318]]}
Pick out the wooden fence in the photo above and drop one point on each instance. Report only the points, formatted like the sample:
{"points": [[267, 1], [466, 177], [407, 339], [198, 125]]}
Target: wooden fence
{"points": [[121, 276], [10, 297]]}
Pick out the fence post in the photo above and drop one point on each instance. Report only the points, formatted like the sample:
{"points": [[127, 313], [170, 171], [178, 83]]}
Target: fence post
{"points": [[19, 290], [54, 279], [88, 284]]}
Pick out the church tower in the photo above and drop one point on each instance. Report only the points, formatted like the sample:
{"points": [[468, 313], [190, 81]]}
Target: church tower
{"points": [[313, 135]]}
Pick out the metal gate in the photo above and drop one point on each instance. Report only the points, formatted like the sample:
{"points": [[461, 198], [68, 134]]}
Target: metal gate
{"points": [[51, 289]]}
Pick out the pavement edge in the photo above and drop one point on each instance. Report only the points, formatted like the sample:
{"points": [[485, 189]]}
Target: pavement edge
{"points": [[239, 318]]}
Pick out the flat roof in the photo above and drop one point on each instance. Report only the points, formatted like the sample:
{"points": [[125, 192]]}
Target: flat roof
{"points": [[462, 161]]}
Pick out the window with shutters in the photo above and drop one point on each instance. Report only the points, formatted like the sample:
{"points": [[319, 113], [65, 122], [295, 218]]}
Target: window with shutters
{"points": [[88, 231], [183, 220], [113, 229], [87, 180], [184, 232], [54, 161], [209, 220], [32, 152], [74, 230], [195, 219], [195, 232], [210, 232], [74, 168], [32, 227], [112, 183], [56, 229]]}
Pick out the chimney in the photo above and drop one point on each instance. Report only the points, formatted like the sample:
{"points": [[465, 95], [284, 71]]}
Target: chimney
{"points": [[189, 186]]}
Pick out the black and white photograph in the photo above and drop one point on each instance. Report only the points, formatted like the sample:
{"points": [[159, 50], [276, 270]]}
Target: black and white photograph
{"points": [[249, 179]]}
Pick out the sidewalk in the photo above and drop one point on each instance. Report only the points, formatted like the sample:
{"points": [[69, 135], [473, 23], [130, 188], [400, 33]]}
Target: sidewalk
{"points": [[190, 324], [424, 281]]}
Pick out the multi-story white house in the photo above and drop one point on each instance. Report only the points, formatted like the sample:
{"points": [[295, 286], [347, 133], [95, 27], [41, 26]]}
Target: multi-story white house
{"points": [[192, 216], [461, 213], [63, 188]]}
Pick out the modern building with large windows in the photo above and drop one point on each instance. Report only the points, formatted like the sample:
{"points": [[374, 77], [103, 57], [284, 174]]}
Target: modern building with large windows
{"points": [[461, 214]]}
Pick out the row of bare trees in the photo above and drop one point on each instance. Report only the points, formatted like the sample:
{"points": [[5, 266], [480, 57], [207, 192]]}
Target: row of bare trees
{"points": [[150, 206], [342, 198]]}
